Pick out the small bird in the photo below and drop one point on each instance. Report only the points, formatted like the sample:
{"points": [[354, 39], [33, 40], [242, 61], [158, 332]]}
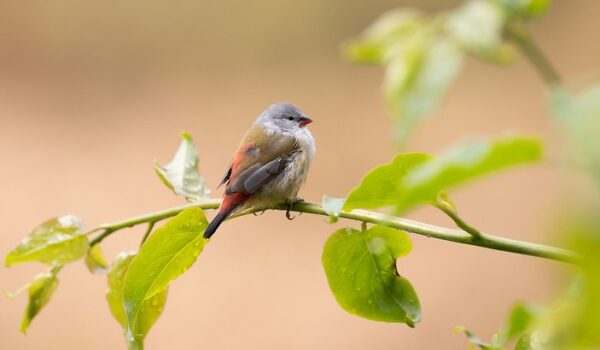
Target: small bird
{"points": [[270, 165]]}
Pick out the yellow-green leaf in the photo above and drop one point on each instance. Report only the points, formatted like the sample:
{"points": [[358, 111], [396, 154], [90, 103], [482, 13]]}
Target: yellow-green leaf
{"points": [[57, 241], [463, 163], [95, 260], [382, 186], [40, 292], [166, 255], [181, 174], [150, 310]]}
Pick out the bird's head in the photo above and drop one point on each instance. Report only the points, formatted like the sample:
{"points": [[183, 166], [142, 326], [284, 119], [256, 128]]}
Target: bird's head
{"points": [[283, 117]]}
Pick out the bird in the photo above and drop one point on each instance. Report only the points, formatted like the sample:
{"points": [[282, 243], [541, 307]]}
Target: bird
{"points": [[270, 164]]}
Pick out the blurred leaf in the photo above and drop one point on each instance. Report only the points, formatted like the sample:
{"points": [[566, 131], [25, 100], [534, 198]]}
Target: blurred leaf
{"points": [[95, 260], [417, 76], [150, 309], [532, 341], [57, 241], [382, 186], [475, 341], [40, 292], [166, 255], [181, 174], [465, 162], [525, 8], [420, 64], [392, 27], [361, 270], [579, 115], [477, 26], [333, 207], [519, 321]]}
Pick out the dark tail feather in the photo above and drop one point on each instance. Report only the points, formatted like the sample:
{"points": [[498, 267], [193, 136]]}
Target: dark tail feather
{"points": [[215, 223]]}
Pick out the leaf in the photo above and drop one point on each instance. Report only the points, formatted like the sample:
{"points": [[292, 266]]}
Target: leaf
{"points": [[57, 241], [40, 292], [95, 260], [474, 340], [382, 186], [361, 270], [167, 254], [392, 27], [532, 341], [519, 321], [420, 61], [525, 8], [462, 163], [181, 174], [150, 309], [477, 26], [578, 114], [417, 77], [333, 207]]}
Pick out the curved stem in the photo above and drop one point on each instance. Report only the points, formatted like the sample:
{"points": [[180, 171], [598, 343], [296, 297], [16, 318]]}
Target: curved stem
{"points": [[365, 216], [452, 214], [537, 58]]}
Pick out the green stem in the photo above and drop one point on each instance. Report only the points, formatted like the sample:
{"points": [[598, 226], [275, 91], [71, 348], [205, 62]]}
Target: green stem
{"points": [[148, 231], [535, 56], [458, 220], [364, 216]]}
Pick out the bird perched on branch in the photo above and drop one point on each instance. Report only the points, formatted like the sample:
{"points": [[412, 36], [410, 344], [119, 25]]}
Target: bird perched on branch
{"points": [[270, 164]]}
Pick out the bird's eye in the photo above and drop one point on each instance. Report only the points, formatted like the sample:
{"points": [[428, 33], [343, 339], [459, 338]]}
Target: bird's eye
{"points": [[290, 118]]}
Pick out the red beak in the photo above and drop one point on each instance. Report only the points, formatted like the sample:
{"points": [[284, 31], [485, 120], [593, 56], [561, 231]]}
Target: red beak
{"points": [[304, 121]]}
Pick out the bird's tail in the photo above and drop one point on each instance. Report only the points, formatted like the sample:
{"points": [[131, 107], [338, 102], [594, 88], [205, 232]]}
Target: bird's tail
{"points": [[230, 203], [215, 223]]}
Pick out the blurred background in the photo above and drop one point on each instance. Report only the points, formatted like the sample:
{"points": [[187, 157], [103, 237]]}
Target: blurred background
{"points": [[91, 93]]}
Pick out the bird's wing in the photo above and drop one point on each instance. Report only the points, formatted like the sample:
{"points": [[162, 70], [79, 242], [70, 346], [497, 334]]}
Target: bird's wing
{"points": [[260, 158], [256, 176]]}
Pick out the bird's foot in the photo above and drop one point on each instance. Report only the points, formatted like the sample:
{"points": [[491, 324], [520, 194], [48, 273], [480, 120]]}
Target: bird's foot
{"points": [[257, 213], [290, 205]]}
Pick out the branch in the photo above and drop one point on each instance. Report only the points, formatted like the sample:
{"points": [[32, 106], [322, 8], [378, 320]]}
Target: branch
{"points": [[452, 235], [535, 56]]}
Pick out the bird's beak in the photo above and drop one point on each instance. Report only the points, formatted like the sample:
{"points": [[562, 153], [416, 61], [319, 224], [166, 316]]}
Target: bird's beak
{"points": [[304, 121]]}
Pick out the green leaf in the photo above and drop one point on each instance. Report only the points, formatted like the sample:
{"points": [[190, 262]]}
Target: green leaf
{"points": [[387, 31], [167, 254], [533, 341], [477, 26], [150, 309], [361, 270], [519, 321], [475, 341], [462, 163], [525, 8], [420, 61], [333, 207], [382, 186], [417, 76], [57, 241], [40, 292], [181, 174], [578, 114], [95, 260]]}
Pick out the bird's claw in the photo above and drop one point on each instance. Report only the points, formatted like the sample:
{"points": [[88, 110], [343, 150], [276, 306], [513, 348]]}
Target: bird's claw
{"points": [[288, 215], [290, 204], [257, 213]]}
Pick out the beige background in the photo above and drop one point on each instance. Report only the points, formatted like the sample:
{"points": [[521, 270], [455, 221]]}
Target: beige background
{"points": [[91, 94]]}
